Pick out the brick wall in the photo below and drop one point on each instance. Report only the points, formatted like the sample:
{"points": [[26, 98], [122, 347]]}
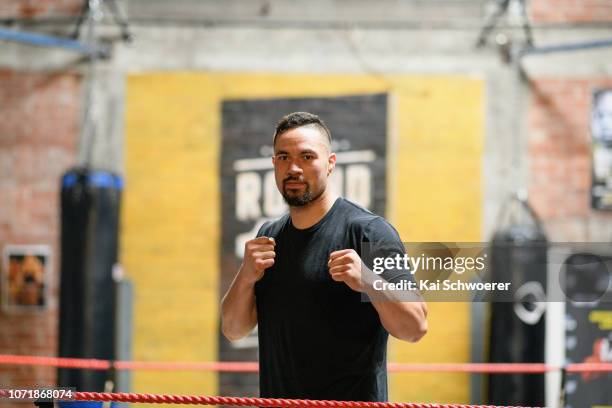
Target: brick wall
{"points": [[560, 159], [39, 8], [38, 134], [570, 11]]}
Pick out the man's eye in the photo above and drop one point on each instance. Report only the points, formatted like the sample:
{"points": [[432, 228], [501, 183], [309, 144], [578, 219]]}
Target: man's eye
{"points": [[308, 157], [281, 157]]}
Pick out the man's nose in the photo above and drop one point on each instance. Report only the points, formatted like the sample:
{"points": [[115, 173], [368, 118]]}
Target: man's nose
{"points": [[294, 168]]}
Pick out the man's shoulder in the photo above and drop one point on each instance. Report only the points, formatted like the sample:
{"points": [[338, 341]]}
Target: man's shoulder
{"points": [[271, 228], [356, 213], [366, 222]]}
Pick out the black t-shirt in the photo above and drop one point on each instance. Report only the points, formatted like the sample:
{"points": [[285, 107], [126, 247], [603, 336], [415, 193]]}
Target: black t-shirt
{"points": [[317, 338]]}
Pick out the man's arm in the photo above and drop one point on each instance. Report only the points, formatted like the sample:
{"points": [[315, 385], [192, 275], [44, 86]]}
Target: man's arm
{"points": [[403, 314], [238, 309]]}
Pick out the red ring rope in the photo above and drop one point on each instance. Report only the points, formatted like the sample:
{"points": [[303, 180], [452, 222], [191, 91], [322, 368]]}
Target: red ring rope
{"points": [[246, 401], [261, 402], [252, 367]]}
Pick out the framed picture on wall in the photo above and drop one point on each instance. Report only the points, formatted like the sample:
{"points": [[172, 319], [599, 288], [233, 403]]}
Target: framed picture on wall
{"points": [[601, 148], [26, 272]]}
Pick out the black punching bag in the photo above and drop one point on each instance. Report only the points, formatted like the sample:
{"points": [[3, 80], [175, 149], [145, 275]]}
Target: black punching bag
{"points": [[89, 243], [517, 326]]}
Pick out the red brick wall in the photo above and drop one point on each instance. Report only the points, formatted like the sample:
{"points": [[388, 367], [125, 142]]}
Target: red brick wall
{"points": [[560, 156], [38, 134], [39, 8], [570, 11]]}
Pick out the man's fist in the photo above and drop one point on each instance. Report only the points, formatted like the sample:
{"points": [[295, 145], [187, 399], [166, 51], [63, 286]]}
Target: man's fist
{"points": [[345, 266], [258, 256]]}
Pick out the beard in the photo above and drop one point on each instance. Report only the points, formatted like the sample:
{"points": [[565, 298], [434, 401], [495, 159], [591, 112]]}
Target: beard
{"points": [[297, 199]]}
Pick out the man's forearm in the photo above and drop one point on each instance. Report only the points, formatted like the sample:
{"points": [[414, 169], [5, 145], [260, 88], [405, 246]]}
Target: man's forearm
{"points": [[238, 310], [402, 313]]}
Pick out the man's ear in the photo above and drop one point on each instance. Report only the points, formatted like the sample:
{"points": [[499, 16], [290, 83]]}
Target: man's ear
{"points": [[331, 163]]}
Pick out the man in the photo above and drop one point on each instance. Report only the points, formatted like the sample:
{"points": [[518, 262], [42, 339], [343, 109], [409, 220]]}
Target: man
{"points": [[302, 281]]}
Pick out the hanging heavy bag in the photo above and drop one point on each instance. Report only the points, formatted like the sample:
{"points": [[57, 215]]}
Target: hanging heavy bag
{"points": [[89, 242], [517, 326]]}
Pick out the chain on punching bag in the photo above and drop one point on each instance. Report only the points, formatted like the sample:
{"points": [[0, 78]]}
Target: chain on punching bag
{"points": [[89, 242], [517, 326]]}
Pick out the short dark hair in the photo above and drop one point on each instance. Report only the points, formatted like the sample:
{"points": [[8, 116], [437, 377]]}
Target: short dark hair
{"points": [[299, 119]]}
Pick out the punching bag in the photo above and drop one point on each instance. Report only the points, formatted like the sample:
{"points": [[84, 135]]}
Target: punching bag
{"points": [[517, 325], [89, 242]]}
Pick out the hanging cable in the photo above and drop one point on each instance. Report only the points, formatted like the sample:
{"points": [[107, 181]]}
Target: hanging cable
{"points": [[90, 113]]}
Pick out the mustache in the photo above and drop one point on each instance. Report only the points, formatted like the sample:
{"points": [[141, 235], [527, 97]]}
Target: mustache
{"points": [[291, 178]]}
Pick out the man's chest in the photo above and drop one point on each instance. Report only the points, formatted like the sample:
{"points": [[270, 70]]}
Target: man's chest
{"points": [[301, 263]]}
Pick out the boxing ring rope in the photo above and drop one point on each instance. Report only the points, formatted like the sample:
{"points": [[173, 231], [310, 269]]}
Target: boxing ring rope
{"points": [[253, 367], [261, 402], [249, 401], [94, 364]]}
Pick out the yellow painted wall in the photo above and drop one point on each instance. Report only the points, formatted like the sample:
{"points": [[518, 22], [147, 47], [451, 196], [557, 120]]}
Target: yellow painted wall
{"points": [[438, 199], [171, 215], [170, 221]]}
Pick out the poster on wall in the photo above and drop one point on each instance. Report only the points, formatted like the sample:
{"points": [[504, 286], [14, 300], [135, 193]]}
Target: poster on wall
{"points": [[601, 132], [248, 189], [25, 277], [588, 328]]}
